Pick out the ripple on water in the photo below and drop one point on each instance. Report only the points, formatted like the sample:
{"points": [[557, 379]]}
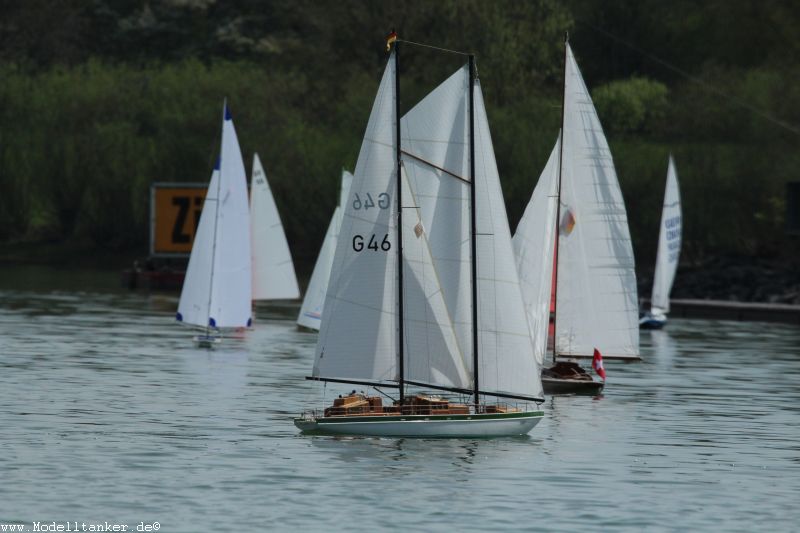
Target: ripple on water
{"points": [[110, 413]]}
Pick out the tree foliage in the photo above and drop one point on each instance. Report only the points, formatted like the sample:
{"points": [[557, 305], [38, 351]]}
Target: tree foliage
{"points": [[101, 98], [636, 105]]}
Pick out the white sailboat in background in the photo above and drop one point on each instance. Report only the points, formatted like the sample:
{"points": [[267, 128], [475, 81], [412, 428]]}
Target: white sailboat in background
{"points": [[217, 287], [273, 271], [310, 315], [443, 311], [595, 280], [534, 244], [669, 250]]}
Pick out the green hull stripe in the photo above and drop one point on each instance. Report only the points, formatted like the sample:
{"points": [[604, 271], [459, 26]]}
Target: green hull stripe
{"points": [[412, 418]]}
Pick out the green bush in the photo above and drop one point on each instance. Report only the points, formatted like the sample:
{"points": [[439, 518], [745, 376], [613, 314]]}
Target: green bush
{"points": [[635, 105]]}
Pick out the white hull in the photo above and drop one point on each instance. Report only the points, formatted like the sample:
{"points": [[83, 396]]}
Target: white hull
{"points": [[425, 426], [651, 321]]}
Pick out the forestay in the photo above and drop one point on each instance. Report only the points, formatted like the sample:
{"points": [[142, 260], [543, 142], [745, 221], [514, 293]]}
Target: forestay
{"points": [[311, 311], [273, 270], [534, 242], [217, 287], [358, 333], [596, 287], [669, 243]]}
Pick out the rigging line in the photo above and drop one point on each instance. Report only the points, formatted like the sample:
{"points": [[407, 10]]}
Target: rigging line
{"points": [[458, 52], [421, 160], [708, 86], [380, 392]]}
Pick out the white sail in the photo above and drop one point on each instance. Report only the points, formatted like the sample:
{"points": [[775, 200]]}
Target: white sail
{"points": [[534, 243], [358, 333], [436, 159], [506, 354], [359, 326], [435, 143], [311, 311], [196, 292], [217, 288], [669, 243], [273, 270], [596, 303], [431, 350]]}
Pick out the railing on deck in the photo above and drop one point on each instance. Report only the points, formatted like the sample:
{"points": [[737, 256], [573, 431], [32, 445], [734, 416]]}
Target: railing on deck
{"points": [[419, 405]]}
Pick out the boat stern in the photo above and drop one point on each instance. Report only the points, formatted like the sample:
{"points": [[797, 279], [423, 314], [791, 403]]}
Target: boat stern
{"points": [[307, 422]]}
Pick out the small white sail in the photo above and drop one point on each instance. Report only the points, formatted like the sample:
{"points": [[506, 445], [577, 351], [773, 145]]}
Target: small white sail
{"points": [[358, 333], [196, 292], [217, 288], [311, 311], [596, 287], [534, 242], [669, 244], [273, 270]]}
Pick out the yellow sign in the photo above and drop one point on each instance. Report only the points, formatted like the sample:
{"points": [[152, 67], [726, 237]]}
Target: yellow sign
{"points": [[174, 215]]}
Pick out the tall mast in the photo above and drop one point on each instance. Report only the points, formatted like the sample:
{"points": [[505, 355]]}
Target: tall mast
{"points": [[474, 227], [558, 202], [400, 336]]}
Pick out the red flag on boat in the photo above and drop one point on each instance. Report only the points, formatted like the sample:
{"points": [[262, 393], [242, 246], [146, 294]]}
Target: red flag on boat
{"points": [[597, 364]]}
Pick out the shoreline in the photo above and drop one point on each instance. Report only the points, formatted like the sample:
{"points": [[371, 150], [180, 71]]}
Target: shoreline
{"points": [[67, 254]]}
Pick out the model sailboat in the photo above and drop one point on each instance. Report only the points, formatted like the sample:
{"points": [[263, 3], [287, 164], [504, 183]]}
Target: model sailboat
{"points": [[311, 311], [595, 280], [216, 290], [669, 249], [273, 270], [423, 291]]}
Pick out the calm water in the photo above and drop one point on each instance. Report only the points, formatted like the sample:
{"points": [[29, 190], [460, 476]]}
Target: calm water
{"points": [[108, 413]]}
